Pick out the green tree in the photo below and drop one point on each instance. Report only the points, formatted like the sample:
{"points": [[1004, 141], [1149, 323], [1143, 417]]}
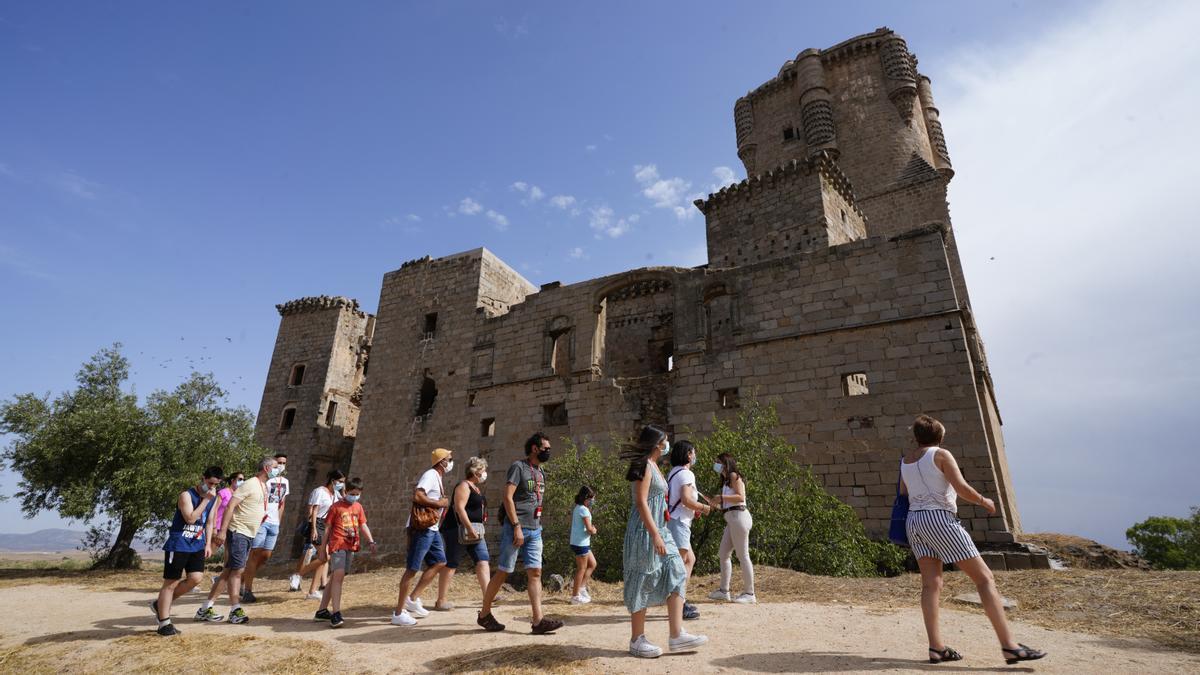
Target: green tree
{"points": [[95, 454], [1168, 543], [797, 524]]}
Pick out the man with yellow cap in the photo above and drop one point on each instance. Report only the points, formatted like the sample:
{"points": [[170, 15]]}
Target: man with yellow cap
{"points": [[424, 542]]}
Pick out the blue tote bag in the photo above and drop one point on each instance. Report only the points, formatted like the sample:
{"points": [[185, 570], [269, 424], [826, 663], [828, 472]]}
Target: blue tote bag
{"points": [[897, 533]]}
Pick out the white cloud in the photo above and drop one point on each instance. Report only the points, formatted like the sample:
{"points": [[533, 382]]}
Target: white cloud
{"points": [[533, 192], [591, 147], [498, 219], [1074, 216], [725, 176], [469, 206], [75, 185], [563, 202], [605, 222], [666, 193], [414, 218], [575, 254]]}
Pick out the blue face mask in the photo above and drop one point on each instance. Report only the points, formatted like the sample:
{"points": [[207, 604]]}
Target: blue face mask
{"points": [[339, 486], [275, 471], [352, 498]]}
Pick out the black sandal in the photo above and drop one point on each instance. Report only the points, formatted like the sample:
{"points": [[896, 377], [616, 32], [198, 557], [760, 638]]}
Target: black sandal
{"points": [[947, 654], [1021, 653]]}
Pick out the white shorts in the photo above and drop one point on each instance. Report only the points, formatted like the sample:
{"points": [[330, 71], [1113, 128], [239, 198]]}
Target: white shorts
{"points": [[938, 534]]}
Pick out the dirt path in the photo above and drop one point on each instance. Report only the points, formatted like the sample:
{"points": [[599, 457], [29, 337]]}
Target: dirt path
{"points": [[75, 629]]}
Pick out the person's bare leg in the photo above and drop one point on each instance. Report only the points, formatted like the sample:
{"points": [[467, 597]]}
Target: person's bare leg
{"points": [[320, 568], [405, 580], [235, 587], [165, 595], [220, 585], [591, 569], [256, 559], [445, 575], [675, 614], [189, 582], [427, 578], [535, 593], [335, 589], [483, 574], [493, 589], [931, 592], [689, 560], [637, 625], [581, 566], [993, 604]]}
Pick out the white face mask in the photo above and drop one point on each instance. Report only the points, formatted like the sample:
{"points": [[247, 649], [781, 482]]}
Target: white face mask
{"points": [[449, 466], [717, 467], [482, 476], [276, 471], [666, 448]]}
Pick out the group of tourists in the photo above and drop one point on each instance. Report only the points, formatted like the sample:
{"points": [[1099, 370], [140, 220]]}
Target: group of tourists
{"points": [[244, 519]]}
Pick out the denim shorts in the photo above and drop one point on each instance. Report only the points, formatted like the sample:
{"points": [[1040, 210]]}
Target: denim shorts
{"points": [[238, 546], [681, 533], [340, 560], [267, 534], [426, 546], [530, 551], [581, 550], [454, 550]]}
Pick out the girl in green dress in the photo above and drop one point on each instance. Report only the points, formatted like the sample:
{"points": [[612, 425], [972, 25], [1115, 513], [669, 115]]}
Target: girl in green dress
{"points": [[654, 572]]}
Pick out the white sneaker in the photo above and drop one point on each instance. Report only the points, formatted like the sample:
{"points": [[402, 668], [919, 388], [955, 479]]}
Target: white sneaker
{"points": [[403, 619], [642, 648], [294, 583], [719, 595], [584, 593], [686, 642], [746, 599], [415, 608], [578, 600], [313, 596]]}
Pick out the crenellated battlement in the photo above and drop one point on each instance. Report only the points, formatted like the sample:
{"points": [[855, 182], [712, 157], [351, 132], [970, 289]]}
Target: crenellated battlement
{"points": [[318, 303]]}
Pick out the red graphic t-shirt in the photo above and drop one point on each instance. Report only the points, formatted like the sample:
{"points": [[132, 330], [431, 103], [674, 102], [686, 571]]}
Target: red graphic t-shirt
{"points": [[343, 521]]}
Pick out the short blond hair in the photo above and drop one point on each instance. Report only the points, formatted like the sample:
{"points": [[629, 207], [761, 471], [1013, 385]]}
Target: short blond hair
{"points": [[476, 466]]}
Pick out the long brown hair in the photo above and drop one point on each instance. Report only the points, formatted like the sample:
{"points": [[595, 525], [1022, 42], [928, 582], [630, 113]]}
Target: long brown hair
{"points": [[730, 465], [639, 452]]}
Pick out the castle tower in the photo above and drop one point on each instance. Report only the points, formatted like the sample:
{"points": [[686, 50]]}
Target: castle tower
{"points": [[311, 401]]}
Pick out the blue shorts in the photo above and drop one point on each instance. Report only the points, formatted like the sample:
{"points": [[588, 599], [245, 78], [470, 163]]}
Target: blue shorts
{"points": [[238, 548], [454, 550], [267, 534], [425, 546], [530, 551], [681, 533], [581, 550]]}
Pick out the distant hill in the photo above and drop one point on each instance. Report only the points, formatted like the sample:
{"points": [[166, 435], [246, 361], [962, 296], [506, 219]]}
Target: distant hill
{"points": [[53, 539]]}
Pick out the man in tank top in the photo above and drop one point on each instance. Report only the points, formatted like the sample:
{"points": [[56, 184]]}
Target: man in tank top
{"points": [[189, 542]]}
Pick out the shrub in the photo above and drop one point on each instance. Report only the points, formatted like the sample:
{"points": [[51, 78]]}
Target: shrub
{"points": [[1168, 543], [797, 524]]}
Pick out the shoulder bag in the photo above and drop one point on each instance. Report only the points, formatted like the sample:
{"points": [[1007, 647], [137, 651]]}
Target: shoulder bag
{"points": [[897, 533]]}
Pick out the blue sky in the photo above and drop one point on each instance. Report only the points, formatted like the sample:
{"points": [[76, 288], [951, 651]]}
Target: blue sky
{"points": [[171, 171]]}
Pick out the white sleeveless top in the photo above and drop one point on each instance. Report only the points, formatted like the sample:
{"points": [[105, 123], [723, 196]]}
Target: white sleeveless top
{"points": [[928, 489]]}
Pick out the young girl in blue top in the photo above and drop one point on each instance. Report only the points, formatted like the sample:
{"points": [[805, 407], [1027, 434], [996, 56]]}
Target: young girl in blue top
{"points": [[582, 530]]}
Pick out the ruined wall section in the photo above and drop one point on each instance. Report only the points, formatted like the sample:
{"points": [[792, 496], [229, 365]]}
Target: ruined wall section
{"points": [[800, 206], [803, 331], [319, 357]]}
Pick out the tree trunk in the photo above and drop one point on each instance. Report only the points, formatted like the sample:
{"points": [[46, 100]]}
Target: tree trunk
{"points": [[122, 556]]}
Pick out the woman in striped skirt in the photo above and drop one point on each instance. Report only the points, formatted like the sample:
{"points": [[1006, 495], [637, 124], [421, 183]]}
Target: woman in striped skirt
{"points": [[933, 482]]}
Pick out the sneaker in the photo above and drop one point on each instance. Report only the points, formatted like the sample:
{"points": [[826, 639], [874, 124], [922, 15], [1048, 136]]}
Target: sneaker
{"points": [[168, 630], [313, 596], [686, 642], [719, 595], [294, 582], [322, 615], [690, 612], [746, 599], [248, 597], [403, 619], [210, 615], [583, 593], [449, 606], [489, 623], [578, 600], [545, 626], [238, 616], [336, 620], [415, 608], [642, 648]]}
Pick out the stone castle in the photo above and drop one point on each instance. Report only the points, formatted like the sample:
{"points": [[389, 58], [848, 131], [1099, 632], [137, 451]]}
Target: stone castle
{"points": [[833, 289]]}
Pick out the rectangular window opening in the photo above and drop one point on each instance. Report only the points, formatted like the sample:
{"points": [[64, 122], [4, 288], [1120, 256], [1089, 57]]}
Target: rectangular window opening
{"points": [[331, 413], [854, 384], [430, 325], [289, 418], [487, 427], [555, 414], [789, 133], [728, 398], [297, 377]]}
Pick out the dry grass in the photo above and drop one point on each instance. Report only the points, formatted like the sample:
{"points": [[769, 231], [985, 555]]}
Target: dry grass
{"points": [[145, 652]]}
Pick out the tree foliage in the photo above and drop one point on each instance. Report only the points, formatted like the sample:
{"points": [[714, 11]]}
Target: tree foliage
{"points": [[797, 524], [94, 453], [1168, 543]]}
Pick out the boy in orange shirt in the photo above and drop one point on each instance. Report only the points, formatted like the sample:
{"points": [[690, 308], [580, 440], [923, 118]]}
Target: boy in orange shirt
{"points": [[343, 523]]}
